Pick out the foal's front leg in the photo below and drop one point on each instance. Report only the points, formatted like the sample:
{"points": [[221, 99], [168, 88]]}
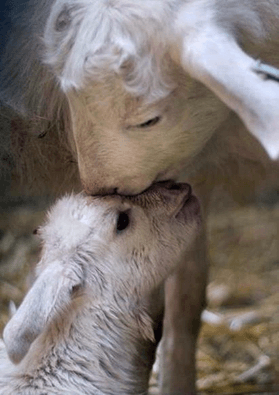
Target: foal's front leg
{"points": [[209, 38]]}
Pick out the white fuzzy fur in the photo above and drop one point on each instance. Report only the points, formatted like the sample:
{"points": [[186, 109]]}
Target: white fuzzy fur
{"points": [[84, 326], [103, 37], [132, 40], [212, 54], [87, 76], [120, 63]]}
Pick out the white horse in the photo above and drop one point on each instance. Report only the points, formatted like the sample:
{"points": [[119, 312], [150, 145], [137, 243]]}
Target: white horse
{"points": [[114, 95], [85, 326]]}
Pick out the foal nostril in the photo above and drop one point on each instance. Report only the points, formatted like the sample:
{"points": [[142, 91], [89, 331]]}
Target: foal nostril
{"points": [[169, 184], [101, 191], [174, 186], [109, 191], [188, 187]]}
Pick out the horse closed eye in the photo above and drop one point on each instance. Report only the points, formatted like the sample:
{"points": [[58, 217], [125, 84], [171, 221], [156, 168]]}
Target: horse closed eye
{"points": [[122, 221], [150, 122]]}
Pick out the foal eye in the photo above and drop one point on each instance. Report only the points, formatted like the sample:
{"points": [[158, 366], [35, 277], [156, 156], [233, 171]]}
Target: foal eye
{"points": [[122, 221], [150, 122]]}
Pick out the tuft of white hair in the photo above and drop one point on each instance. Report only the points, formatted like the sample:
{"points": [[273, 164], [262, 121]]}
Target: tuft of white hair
{"points": [[91, 39]]}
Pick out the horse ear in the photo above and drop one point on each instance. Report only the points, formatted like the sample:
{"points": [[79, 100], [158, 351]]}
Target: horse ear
{"points": [[50, 295], [211, 55]]}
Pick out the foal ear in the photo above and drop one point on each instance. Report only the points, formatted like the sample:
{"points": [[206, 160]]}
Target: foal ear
{"points": [[50, 295], [211, 55]]}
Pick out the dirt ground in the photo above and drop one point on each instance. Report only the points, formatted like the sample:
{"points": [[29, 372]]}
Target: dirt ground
{"points": [[238, 349]]}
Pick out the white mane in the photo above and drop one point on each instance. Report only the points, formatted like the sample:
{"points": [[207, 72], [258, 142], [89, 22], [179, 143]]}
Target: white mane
{"points": [[90, 40]]}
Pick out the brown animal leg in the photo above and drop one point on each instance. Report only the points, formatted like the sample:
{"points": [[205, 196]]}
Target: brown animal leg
{"points": [[184, 301]]}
